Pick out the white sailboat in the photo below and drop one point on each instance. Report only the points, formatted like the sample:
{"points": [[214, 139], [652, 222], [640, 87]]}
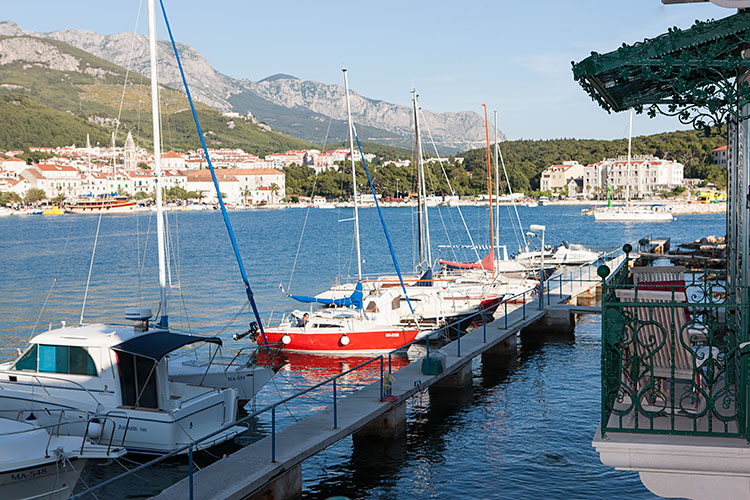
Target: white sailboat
{"points": [[112, 383], [630, 213]]}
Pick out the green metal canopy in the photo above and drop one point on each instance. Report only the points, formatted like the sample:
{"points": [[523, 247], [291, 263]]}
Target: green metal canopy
{"points": [[688, 73]]}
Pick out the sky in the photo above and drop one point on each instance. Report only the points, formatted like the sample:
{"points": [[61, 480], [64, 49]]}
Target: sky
{"points": [[512, 55]]}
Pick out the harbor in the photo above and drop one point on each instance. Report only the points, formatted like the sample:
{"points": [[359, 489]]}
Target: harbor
{"points": [[118, 240], [169, 330]]}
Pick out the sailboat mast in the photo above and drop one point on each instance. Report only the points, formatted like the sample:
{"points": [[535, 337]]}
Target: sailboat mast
{"points": [[163, 320], [630, 139], [354, 176], [497, 195], [489, 183], [419, 184], [423, 186]]}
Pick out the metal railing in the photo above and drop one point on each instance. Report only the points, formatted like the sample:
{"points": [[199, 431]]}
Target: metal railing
{"points": [[508, 305], [672, 361]]}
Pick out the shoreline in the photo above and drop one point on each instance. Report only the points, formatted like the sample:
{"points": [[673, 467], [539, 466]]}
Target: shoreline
{"points": [[677, 208]]}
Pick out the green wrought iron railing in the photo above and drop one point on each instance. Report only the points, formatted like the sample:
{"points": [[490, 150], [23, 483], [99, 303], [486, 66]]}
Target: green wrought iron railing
{"points": [[671, 354]]}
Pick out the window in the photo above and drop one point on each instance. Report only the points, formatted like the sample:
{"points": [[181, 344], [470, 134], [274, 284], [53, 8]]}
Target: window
{"points": [[71, 360], [28, 360]]}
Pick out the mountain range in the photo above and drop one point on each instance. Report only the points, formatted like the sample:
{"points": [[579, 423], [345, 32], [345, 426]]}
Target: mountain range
{"points": [[309, 110]]}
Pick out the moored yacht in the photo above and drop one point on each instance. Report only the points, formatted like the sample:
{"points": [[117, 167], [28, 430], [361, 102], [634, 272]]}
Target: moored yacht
{"points": [[103, 204], [115, 379], [39, 464]]}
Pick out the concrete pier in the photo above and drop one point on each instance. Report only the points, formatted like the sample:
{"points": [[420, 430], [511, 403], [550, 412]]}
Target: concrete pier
{"points": [[555, 322], [457, 380], [390, 425], [286, 486], [250, 473]]}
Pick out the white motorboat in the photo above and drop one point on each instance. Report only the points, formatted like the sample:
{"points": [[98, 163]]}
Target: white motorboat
{"points": [[118, 377], [240, 373], [567, 254], [628, 213], [654, 213], [5, 211], [39, 464]]}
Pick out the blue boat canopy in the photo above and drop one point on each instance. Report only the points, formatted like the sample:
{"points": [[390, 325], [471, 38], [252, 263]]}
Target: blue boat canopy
{"points": [[426, 279], [354, 300], [158, 344]]}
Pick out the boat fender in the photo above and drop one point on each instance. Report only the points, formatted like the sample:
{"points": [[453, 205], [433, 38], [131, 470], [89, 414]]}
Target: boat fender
{"points": [[344, 340], [286, 339], [95, 428]]}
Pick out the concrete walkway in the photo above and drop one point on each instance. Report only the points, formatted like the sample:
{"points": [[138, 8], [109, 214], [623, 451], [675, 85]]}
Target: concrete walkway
{"points": [[247, 471]]}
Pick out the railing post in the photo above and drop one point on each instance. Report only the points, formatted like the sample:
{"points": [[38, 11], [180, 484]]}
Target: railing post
{"points": [[428, 348], [190, 471], [506, 314], [381, 378], [484, 327], [273, 435], [390, 369], [559, 288], [458, 331], [524, 305], [335, 413]]}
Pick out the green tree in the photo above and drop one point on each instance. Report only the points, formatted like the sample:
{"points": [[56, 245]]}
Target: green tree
{"points": [[34, 195]]}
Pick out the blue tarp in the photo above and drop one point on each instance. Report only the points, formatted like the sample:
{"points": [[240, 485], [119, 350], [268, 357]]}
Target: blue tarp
{"points": [[354, 300]]}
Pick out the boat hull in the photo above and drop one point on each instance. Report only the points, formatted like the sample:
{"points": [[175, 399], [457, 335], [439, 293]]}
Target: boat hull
{"points": [[50, 481], [633, 217], [330, 340], [246, 380]]}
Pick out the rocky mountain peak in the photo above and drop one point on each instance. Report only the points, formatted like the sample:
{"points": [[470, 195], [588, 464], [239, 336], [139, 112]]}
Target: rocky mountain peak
{"points": [[289, 104]]}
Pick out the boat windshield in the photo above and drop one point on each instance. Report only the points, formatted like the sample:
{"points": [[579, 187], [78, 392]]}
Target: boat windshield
{"points": [[70, 360]]}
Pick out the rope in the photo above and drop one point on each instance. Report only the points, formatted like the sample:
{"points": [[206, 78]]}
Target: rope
{"points": [[127, 67], [307, 213], [91, 266], [382, 220], [453, 192], [248, 290], [510, 191], [54, 281]]}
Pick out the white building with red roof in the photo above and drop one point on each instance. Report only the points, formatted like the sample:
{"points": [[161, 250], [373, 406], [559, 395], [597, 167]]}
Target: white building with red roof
{"points": [[202, 183], [14, 166], [253, 184], [53, 179], [719, 156], [558, 177], [645, 175], [172, 161]]}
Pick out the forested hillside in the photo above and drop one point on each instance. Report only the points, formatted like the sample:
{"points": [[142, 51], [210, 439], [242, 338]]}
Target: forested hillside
{"points": [[524, 160]]}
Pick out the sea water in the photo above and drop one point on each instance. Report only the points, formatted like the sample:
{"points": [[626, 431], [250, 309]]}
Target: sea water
{"points": [[524, 431]]}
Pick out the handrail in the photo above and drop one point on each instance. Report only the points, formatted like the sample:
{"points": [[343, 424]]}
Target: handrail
{"points": [[37, 376], [193, 444], [272, 407]]}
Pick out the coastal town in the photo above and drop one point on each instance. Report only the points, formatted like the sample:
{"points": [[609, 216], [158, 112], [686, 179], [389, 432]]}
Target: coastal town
{"points": [[72, 172]]}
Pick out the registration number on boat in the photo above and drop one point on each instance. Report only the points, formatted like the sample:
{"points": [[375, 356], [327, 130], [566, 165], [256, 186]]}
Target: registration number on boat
{"points": [[391, 334]]}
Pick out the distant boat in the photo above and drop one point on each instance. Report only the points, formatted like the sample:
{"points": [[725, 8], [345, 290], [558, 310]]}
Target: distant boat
{"points": [[627, 213], [5, 211], [53, 210], [103, 204], [654, 213]]}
